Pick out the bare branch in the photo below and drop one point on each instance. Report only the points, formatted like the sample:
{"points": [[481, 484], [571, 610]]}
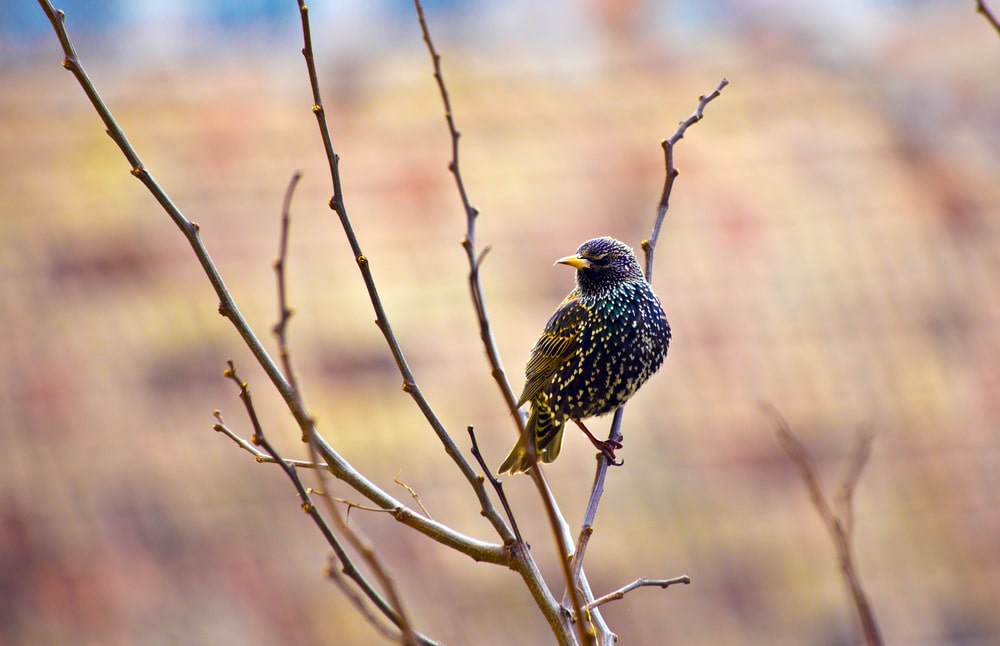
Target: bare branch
{"points": [[394, 601], [344, 501], [839, 525], [641, 582], [495, 482], [469, 240], [412, 493], [409, 385], [284, 313], [649, 247], [857, 458], [391, 609], [983, 9], [348, 567], [585, 626], [399, 617], [477, 550], [807, 471], [557, 522], [359, 604], [471, 213], [581, 549], [258, 455]]}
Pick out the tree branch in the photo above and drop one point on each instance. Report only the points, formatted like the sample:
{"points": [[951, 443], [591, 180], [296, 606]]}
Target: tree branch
{"points": [[475, 549], [649, 247], [259, 456], [409, 385], [983, 9], [392, 608], [641, 582], [838, 525], [556, 521], [514, 553], [495, 482], [284, 313], [358, 602], [471, 213], [408, 635]]}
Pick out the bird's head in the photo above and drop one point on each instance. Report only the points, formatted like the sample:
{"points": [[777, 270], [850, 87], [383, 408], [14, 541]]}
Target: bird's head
{"points": [[603, 262]]}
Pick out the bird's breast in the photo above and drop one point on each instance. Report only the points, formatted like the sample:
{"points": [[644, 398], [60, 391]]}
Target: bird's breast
{"points": [[622, 342]]}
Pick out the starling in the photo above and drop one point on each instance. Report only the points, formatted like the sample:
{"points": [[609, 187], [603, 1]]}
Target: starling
{"points": [[602, 343]]}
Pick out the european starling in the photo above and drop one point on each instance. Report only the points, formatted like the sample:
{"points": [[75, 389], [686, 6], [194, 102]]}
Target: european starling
{"points": [[603, 342]]}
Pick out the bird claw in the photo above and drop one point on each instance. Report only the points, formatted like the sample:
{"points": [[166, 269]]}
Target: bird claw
{"points": [[607, 449]]}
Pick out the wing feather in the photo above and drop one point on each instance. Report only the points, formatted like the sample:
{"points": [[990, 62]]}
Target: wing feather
{"points": [[556, 346]]}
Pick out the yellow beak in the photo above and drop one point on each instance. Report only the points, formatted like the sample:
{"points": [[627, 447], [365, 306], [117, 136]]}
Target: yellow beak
{"points": [[574, 261]]}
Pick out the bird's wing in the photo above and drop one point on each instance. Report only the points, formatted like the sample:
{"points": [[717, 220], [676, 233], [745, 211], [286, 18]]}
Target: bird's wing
{"points": [[556, 346]]}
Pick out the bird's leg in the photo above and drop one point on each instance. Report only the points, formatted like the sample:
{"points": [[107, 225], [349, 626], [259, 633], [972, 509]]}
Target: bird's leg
{"points": [[607, 447]]}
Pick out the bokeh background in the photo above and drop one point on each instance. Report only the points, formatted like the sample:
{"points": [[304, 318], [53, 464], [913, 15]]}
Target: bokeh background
{"points": [[833, 247]]}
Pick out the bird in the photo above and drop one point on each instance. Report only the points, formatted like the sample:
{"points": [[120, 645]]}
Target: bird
{"points": [[606, 338]]}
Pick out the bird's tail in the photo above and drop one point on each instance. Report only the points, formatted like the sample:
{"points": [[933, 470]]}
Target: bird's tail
{"points": [[547, 431]]}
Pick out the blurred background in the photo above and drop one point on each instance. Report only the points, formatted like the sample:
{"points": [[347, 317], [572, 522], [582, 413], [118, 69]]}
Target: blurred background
{"points": [[832, 247]]}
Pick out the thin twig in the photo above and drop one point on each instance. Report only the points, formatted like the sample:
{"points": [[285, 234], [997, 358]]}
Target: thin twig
{"points": [[348, 567], [338, 205], [393, 599], [333, 574], [495, 482], [642, 582], [839, 525], [368, 553], [600, 474], [605, 635], [258, 455], [362, 546], [413, 494], [474, 258], [649, 247], [392, 608], [347, 503], [983, 9], [471, 213], [284, 313], [555, 517], [478, 550], [857, 458]]}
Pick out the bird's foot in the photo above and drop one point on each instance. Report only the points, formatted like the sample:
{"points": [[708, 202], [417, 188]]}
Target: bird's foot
{"points": [[606, 447]]}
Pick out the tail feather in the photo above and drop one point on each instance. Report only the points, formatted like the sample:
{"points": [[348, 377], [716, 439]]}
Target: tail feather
{"points": [[547, 431]]}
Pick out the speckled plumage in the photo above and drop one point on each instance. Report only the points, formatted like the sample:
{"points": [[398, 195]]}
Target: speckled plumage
{"points": [[604, 341]]}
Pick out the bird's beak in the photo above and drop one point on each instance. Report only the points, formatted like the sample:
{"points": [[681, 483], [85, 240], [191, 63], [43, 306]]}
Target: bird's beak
{"points": [[574, 261]]}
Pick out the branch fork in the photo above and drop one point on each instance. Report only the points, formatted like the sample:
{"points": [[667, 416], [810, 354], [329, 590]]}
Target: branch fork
{"points": [[377, 598]]}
